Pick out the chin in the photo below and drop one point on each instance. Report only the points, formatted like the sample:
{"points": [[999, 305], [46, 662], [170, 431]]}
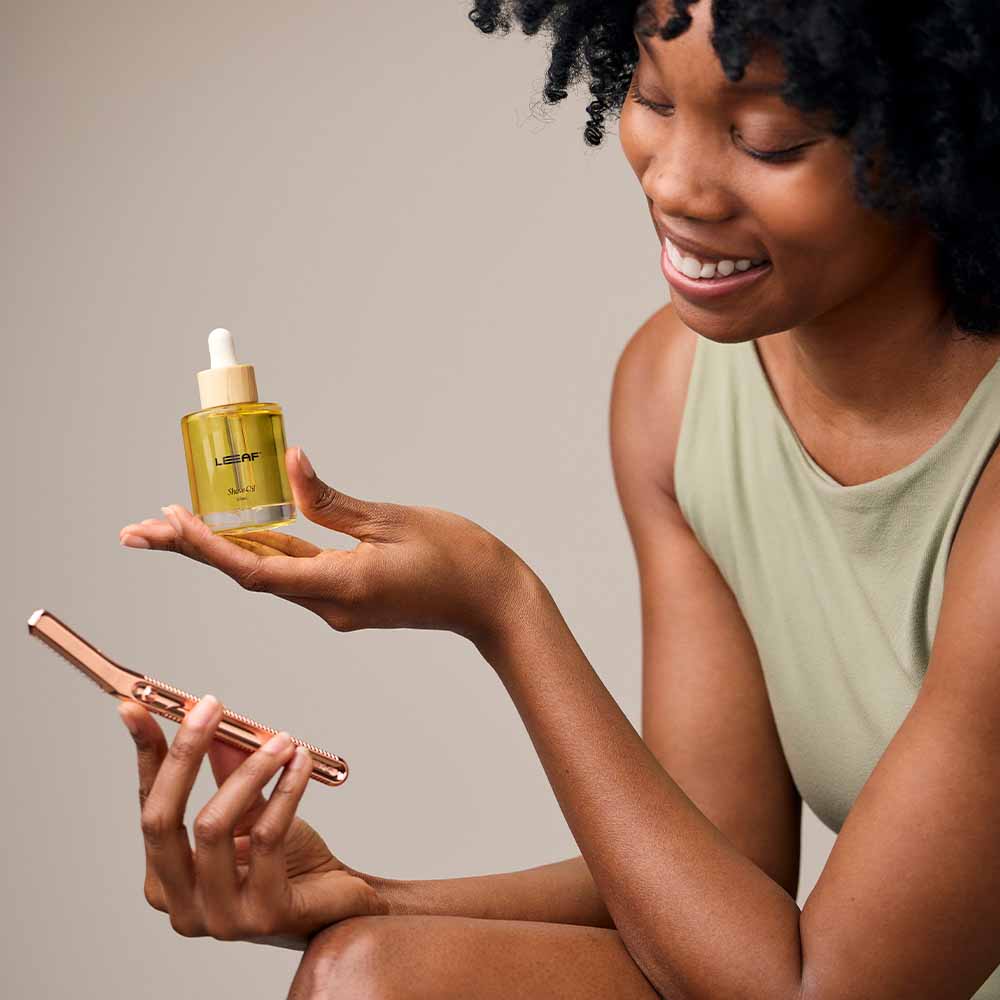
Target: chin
{"points": [[723, 329]]}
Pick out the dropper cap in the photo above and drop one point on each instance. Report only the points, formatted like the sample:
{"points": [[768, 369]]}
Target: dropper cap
{"points": [[227, 381]]}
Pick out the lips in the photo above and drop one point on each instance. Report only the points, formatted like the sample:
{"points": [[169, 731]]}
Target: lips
{"points": [[709, 289]]}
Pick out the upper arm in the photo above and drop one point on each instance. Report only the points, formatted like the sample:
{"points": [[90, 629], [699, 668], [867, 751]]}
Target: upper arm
{"points": [[909, 901], [705, 713]]}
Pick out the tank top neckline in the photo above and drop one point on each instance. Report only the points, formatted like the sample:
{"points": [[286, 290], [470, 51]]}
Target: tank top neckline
{"points": [[908, 471]]}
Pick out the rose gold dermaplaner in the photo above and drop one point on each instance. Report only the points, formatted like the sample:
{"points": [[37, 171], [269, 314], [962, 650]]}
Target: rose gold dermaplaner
{"points": [[164, 699]]}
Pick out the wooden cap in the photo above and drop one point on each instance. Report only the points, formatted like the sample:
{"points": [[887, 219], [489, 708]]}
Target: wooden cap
{"points": [[225, 386]]}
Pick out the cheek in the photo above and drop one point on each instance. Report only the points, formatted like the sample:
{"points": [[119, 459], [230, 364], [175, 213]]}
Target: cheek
{"points": [[816, 230]]}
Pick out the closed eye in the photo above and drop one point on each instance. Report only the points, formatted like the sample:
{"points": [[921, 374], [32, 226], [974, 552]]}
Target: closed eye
{"points": [[659, 108], [767, 156], [771, 155]]}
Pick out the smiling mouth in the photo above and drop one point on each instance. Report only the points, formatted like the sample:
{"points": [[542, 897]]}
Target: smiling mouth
{"points": [[719, 288], [691, 267]]}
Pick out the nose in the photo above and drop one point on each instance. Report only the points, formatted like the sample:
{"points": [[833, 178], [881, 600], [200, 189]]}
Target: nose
{"points": [[684, 180]]}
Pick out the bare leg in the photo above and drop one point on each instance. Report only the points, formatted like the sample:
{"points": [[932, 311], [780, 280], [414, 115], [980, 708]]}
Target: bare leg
{"points": [[437, 958]]}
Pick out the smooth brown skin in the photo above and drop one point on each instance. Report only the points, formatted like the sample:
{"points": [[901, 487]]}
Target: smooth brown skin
{"points": [[693, 853], [258, 872], [852, 317]]}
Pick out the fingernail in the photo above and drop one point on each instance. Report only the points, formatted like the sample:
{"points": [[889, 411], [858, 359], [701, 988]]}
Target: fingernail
{"points": [[277, 743], [134, 542], [306, 465], [172, 518], [301, 759], [201, 714]]}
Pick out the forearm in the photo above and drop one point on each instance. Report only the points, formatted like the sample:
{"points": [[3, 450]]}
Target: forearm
{"points": [[699, 918], [562, 892]]}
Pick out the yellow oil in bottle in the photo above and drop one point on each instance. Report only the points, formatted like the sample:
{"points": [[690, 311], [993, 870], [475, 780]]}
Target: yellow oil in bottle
{"points": [[235, 449], [236, 467]]}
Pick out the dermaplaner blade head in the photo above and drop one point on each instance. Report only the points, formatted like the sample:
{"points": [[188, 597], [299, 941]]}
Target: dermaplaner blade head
{"points": [[93, 664]]}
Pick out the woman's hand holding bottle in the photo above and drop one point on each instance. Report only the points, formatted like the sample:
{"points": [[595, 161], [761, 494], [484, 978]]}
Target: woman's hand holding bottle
{"points": [[414, 566]]}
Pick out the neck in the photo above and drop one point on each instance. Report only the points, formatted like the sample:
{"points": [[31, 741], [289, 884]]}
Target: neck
{"points": [[888, 357]]}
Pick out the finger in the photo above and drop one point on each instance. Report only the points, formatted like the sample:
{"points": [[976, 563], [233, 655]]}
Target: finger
{"points": [[276, 545], [323, 504], [254, 545], [163, 827], [151, 748], [267, 836], [290, 545], [224, 760], [326, 575], [214, 829], [156, 534], [150, 744], [272, 574]]}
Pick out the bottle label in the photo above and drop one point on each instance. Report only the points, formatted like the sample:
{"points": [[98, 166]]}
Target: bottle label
{"points": [[236, 461]]}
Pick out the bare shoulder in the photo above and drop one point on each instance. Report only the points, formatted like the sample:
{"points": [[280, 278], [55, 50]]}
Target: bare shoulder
{"points": [[648, 395], [705, 711]]}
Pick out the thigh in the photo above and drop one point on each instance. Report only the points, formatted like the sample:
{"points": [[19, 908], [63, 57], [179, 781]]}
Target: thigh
{"points": [[411, 957]]}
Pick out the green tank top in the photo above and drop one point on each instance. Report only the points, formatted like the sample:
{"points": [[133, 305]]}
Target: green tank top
{"points": [[840, 585]]}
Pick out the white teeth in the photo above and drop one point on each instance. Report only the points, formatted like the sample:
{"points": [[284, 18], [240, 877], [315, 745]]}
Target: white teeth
{"points": [[694, 268], [691, 267]]}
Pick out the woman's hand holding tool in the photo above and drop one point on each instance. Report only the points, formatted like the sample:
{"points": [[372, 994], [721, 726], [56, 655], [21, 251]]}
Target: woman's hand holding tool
{"points": [[258, 872]]}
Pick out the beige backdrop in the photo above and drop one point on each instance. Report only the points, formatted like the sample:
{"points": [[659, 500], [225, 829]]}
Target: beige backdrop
{"points": [[435, 276]]}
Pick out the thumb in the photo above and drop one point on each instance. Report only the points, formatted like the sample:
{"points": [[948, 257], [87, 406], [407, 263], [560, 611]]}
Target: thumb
{"points": [[331, 508]]}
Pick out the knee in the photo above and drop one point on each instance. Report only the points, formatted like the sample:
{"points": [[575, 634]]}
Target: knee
{"points": [[351, 958]]}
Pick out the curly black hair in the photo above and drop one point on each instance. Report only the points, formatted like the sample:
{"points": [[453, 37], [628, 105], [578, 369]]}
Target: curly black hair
{"points": [[914, 87]]}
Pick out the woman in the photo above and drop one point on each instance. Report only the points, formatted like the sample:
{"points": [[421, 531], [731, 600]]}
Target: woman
{"points": [[803, 447]]}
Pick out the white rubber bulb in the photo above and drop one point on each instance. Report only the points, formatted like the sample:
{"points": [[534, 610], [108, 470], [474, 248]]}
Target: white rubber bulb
{"points": [[221, 349]]}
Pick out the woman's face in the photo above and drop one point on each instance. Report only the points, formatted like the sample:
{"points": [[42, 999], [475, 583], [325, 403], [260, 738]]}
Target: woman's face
{"points": [[694, 157]]}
